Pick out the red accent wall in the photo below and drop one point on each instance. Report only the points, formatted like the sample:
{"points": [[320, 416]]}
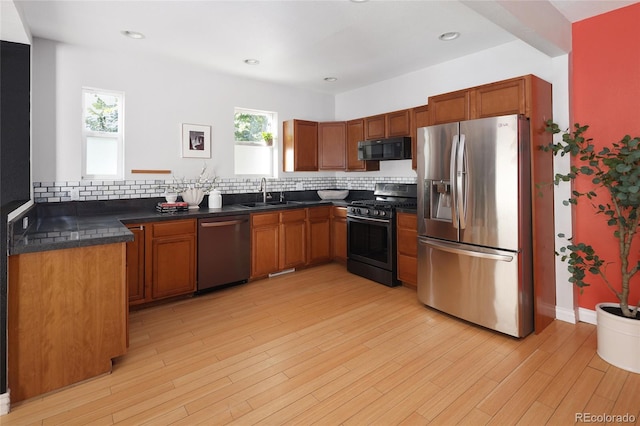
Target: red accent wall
{"points": [[605, 94]]}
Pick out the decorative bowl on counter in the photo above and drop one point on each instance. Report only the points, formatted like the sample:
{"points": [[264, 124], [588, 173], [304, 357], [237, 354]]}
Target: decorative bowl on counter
{"points": [[193, 197], [332, 194]]}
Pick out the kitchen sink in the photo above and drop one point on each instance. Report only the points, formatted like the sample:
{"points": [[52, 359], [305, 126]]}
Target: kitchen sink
{"points": [[269, 203]]}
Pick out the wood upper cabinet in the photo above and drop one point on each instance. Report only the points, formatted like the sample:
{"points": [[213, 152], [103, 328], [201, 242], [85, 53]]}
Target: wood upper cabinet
{"points": [[339, 233], [398, 123], [375, 127], [419, 118], [293, 238], [300, 145], [407, 243], [489, 100], [319, 234], [171, 258], [332, 141], [265, 243], [135, 265], [501, 98], [355, 134], [449, 107]]}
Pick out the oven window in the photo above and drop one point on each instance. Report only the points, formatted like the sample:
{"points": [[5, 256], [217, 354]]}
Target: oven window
{"points": [[369, 241]]}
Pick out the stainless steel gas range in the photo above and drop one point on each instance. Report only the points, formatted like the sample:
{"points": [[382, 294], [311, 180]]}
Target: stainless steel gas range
{"points": [[371, 232]]}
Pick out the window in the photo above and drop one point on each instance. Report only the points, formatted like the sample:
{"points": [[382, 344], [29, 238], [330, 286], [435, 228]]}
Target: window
{"points": [[255, 145], [102, 134]]}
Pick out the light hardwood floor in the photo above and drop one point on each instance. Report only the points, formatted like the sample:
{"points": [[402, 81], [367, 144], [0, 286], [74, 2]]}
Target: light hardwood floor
{"points": [[326, 347]]}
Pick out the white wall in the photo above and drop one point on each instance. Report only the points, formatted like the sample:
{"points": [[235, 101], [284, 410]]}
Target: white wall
{"points": [[159, 96]]}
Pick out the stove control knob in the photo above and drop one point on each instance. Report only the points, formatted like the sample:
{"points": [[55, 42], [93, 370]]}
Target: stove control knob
{"points": [[374, 213], [383, 213], [365, 211]]}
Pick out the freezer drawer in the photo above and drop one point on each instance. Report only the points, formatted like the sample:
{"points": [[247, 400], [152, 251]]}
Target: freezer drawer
{"points": [[480, 285]]}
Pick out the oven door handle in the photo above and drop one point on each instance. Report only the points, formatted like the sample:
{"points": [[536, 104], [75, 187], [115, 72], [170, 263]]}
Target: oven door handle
{"points": [[368, 219]]}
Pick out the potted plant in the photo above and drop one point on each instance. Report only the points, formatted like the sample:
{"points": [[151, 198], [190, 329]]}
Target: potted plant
{"points": [[615, 196], [268, 138]]}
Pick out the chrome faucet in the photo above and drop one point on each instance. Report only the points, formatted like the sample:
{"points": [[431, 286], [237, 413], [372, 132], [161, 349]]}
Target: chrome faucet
{"points": [[263, 188]]}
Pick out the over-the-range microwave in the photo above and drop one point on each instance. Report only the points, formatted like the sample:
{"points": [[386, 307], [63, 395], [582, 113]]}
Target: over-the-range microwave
{"points": [[398, 148]]}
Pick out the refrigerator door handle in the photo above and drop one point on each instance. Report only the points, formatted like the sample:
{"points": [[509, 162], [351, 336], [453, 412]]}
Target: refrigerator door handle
{"points": [[452, 179], [454, 248], [461, 196]]}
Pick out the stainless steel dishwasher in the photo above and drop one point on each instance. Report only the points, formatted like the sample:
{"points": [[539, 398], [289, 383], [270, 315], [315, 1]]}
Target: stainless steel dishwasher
{"points": [[224, 251]]}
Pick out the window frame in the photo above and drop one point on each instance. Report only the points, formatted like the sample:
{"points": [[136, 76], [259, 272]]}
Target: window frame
{"points": [[119, 135], [273, 148]]}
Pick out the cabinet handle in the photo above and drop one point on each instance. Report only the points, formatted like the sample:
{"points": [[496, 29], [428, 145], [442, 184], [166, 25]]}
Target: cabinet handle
{"points": [[225, 223]]}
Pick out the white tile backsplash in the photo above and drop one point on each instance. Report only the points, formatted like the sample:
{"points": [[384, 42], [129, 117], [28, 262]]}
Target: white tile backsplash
{"points": [[55, 192]]}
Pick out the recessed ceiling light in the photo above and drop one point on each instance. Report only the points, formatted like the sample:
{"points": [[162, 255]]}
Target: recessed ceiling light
{"points": [[251, 61], [449, 36], [132, 34], [331, 79]]}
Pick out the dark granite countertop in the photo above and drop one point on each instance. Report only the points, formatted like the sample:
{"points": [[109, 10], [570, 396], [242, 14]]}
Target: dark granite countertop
{"points": [[57, 226]]}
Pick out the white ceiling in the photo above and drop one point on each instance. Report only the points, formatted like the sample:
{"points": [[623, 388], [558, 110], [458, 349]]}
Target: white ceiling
{"points": [[301, 42]]}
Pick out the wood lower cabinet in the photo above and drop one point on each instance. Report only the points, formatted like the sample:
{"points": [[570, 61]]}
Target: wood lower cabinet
{"points": [[407, 243], [332, 142], [135, 265], [339, 234], [265, 244], [319, 235], [293, 238], [67, 317], [171, 258], [300, 146], [161, 261]]}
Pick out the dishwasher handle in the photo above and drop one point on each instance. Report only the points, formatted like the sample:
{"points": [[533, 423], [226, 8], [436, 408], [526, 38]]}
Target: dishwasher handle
{"points": [[223, 223]]}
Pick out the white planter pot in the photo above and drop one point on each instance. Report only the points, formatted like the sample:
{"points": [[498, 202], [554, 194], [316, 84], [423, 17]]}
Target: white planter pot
{"points": [[193, 197], [618, 339]]}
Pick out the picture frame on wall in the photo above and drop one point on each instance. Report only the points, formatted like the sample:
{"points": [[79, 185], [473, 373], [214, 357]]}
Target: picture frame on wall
{"points": [[196, 141]]}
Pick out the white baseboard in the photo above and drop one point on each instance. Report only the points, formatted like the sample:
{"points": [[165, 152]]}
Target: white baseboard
{"points": [[4, 403], [566, 315], [587, 315]]}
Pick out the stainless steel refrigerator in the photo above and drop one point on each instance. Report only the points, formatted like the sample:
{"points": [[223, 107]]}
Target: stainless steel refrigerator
{"points": [[474, 222]]}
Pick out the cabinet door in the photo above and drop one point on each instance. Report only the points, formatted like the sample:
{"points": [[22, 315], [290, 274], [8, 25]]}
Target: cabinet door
{"points": [[339, 234], [449, 107], [399, 123], [171, 258], [355, 134], [375, 127], [264, 244], [300, 145], [332, 141], [420, 118], [135, 265], [502, 98], [293, 238], [407, 242], [319, 236]]}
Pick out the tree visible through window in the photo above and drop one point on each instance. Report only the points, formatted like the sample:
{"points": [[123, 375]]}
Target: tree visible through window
{"points": [[102, 134], [254, 133]]}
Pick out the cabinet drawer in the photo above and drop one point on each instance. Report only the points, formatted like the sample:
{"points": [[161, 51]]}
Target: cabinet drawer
{"points": [[264, 219], [320, 212], [407, 269], [407, 242], [174, 227], [293, 215], [407, 220], [340, 212]]}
